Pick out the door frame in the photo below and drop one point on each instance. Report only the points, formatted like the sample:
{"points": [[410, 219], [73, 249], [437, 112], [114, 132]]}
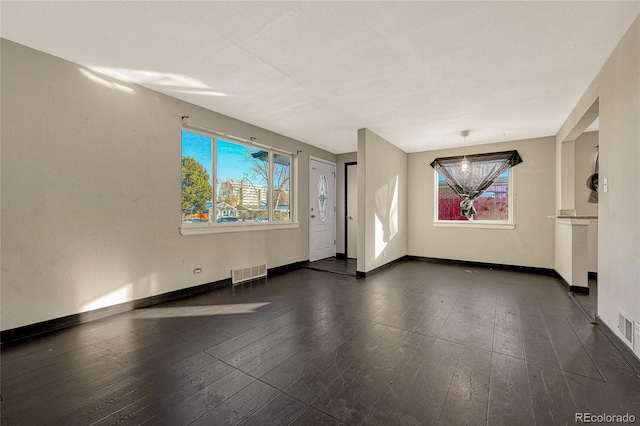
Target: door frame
{"points": [[332, 187], [346, 208]]}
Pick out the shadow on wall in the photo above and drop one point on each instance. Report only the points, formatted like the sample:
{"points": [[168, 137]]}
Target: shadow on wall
{"points": [[386, 217]]}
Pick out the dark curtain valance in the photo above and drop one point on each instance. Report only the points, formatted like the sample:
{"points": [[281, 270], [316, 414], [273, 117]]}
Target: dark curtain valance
{"points": [[512, 157], [482, 172]]}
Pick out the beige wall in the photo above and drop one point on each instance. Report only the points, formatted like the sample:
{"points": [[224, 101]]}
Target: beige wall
{"points": [[617, 88], [382, 201], [531, 243], [91, 193]]}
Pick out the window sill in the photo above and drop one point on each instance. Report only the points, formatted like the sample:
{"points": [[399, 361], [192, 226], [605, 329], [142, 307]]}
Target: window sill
{"points": [[223, 229], [481, 225]]}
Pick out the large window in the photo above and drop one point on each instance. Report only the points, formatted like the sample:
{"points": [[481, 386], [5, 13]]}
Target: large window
{"points": [[227, 182], [491, 207]]}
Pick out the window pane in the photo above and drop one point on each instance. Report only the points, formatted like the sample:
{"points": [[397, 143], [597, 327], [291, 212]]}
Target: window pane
{"points": [[448, 202], [197, 194], [281, 187], [493, 204], [242, 183]]}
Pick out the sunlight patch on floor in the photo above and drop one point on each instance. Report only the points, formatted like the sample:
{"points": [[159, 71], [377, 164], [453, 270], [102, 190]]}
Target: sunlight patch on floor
{"points": [[199, 311]]}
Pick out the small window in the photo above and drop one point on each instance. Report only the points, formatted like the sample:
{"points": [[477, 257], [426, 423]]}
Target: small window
{"points": [[491, 206], [281, 187], [197, 192], [250, 184]]}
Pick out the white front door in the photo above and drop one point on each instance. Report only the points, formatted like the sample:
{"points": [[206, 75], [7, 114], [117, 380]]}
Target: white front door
{"points": [[352, 211], [322, 212]]}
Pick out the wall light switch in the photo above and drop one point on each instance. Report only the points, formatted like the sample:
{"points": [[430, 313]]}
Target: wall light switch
{"points": [[605, 185]]}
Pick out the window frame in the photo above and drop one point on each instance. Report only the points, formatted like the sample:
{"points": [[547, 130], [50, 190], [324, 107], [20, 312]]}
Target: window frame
{"points": [[212, 226], [471, 223]]}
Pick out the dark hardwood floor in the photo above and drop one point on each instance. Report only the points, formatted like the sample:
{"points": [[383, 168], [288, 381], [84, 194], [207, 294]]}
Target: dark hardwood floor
{"points": [[590, 301], [419, 343]]}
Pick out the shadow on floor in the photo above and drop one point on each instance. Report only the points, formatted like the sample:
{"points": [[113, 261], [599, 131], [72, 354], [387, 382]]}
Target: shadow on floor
{"points": [[334, 265]]}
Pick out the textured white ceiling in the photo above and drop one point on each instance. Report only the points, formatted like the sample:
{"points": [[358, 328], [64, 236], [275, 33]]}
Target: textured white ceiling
{"points": [[416, 73]]}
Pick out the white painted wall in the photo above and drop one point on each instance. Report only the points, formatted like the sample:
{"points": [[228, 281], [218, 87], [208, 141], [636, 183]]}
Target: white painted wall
{"points": [[592, 247], [341, 159], [531, 243], [563, 252], [571, 254], [617, 87], [382, 201], [91, 193], [568, 177]]}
